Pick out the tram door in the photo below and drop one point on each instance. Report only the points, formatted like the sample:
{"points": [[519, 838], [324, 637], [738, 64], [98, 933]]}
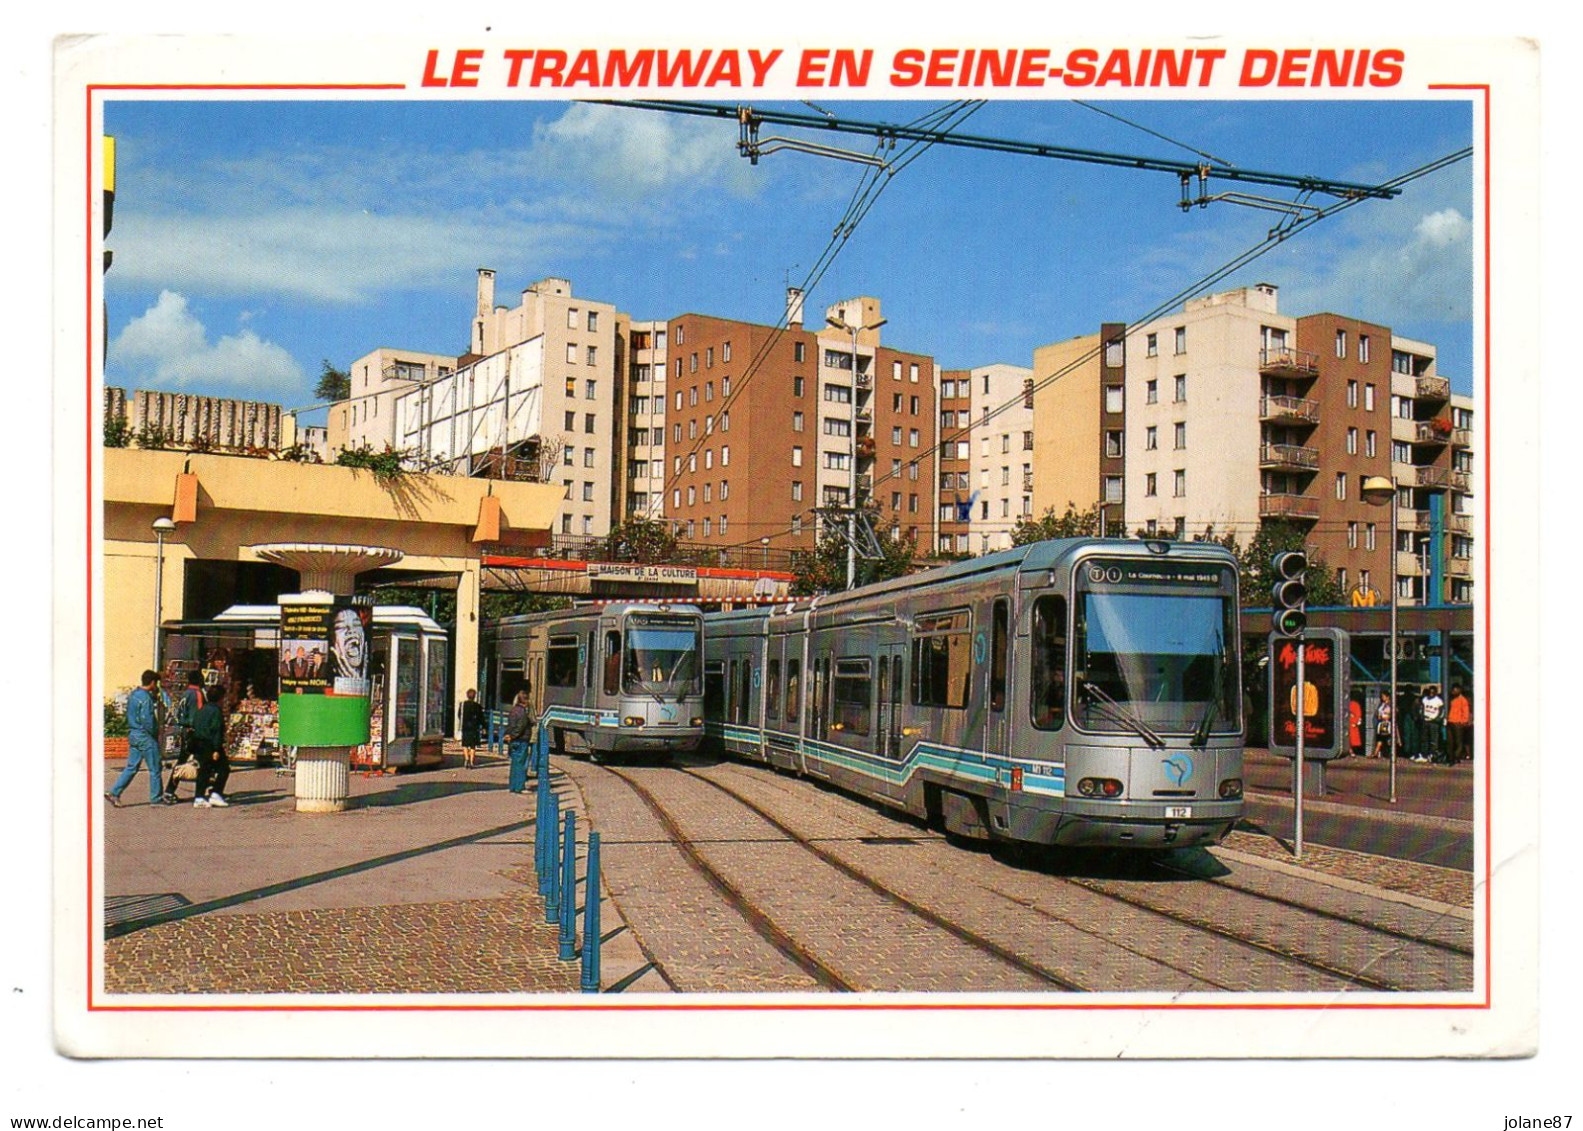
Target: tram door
{"points": [[889, 682], [998, 678]]}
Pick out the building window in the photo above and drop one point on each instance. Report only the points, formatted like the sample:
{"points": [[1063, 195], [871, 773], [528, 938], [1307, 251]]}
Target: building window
{"points": [[709, 390], [1151, 345], [568, 457], [571, 353], [1150, 485], [1341, 343], [1181, 339], [1363, 348], [1115, 353], [725, 489], [709, 357], [1352, 394], [593, 320], [912, 372], [1112, 488], [725, 455], [895, 435], [1151, 391], [797, 422], [797, 386], [1368, 398], [1371, 444], [692, 462], [1352, 445], [588, 492], [912, 409], [591, 391], [692, 496], [796, 457], [707, 525], [1114, 400], [1352, 536], [834, 426], [1181, 387], [588, 457], [1341, 485], [1181, 434], [571, 421], [912, 437], [1180, 530], [566, 524], [800, 353], [796, 490], [1180, 488], [1151, 438], [1401, 452], [1368, 536]]}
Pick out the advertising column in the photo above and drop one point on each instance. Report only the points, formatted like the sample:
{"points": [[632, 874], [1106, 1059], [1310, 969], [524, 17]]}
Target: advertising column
{"points": [[324, 692]]}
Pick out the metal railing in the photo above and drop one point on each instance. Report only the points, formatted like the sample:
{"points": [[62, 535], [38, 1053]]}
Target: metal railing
{"points": [[1288, 506], [1289, 408], [1288, 455], [1432, 388], [1288, 362]]}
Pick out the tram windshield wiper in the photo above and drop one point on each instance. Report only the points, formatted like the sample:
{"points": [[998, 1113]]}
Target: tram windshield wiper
{"points": [[1117, 713], [1201, 732]]}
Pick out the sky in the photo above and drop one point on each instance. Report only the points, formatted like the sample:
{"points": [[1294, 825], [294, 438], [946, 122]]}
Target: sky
{"points": [[254, 240]]}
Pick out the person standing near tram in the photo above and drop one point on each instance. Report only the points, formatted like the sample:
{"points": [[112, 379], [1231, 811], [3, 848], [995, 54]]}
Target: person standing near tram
{"points": [[519, 727]]}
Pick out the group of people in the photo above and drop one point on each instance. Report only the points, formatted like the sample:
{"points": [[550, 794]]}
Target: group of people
{"points": [[1432, 729], [200, 737], [518, 734]]}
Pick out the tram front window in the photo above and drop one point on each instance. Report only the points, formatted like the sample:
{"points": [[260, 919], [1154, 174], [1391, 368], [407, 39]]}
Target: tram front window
{"points": [[1168, 663], [661, 661]]}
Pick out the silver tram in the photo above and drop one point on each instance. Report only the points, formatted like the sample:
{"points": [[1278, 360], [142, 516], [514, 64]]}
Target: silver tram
{"points": [[1080, 692], [616, 679]]}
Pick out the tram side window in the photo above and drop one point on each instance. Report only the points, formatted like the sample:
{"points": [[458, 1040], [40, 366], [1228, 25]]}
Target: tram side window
{"points": [[714, 690], [853, 697], [793, 690], [772, 690], [1049, 663], [513, 678], [941, 660], [612, 663], [745, 697], [560, 669], [998, 655]]}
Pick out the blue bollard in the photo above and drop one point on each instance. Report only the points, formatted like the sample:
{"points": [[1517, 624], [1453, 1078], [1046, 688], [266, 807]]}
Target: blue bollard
{"points": [[540, 822], [551, 881], [568, 936], [590, 981]]}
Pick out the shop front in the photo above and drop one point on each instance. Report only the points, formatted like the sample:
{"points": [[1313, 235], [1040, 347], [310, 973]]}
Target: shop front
{"points": [[240, 651]]}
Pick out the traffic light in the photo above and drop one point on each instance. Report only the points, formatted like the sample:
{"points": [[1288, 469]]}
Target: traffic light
{"points": [[1289, 593]]}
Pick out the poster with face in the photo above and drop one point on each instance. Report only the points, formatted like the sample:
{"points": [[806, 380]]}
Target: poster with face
{"points": [[349, 642], [324, 670]]}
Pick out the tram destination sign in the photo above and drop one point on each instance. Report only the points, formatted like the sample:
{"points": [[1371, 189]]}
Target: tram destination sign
{"points": [[1139, 571]]}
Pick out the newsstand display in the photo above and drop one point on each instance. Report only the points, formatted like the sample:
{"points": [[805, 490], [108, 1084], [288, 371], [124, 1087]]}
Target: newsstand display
{"points": [[240, 651]]}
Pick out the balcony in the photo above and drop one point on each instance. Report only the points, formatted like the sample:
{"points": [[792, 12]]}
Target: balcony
{"points": [[1415, 521], [1461, 437], [1461, 524], [1288, 457], [1288, 363], [1027, 481], [1432, 388], [1460, 567], [1439, 478], [1432, 432], [1289, 410], [1303, 507], [1408, 564]]}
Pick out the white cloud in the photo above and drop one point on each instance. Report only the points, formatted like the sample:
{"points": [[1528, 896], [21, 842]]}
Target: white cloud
{"points": [[167, 347], [628, 154]]}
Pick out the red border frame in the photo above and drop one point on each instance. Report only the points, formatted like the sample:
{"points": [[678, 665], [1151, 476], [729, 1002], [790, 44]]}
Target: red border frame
{"points": [[93, 139]]}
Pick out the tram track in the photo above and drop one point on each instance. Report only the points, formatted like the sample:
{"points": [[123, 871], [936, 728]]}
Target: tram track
{"points": [[1458, 949], [1356, 978], [760, 923]]}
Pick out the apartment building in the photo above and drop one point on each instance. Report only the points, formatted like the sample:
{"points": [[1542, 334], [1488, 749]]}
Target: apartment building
{"points": [[1229, 413], [986, 456], [378, 380], [773, 432], [645, 420], [544, 386]]}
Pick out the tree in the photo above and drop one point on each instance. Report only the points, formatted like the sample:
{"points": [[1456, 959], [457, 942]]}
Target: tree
{"points": [[1254, 577], [117, 431], [642, 540], [334, 384], [824, 570], [1072, 524]]}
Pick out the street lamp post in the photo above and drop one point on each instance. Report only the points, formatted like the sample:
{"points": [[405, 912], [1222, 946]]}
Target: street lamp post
{"points": [[163, 525], [838, 323], [1377, 490]]}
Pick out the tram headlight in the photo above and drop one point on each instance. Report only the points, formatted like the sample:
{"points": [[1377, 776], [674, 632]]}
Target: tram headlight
{"points": [[697, 721], [1231, 789], [1099, 787], [633, 721]]}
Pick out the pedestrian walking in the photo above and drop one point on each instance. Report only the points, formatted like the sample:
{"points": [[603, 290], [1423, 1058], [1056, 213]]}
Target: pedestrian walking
{"points": [[187, 708], [1354, 727], [1432, 708], [472, 727], [1383, 718], [1459, 726], [214, 764], [519, 726], [142, 741]]}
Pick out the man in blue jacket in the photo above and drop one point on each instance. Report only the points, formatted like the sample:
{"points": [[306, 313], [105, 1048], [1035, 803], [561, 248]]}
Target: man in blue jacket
{"points": [[143, 741]]}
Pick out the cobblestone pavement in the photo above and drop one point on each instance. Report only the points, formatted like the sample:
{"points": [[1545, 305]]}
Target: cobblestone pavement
{"points": [[1036, 913], [424, 885], [1442, 885]]}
